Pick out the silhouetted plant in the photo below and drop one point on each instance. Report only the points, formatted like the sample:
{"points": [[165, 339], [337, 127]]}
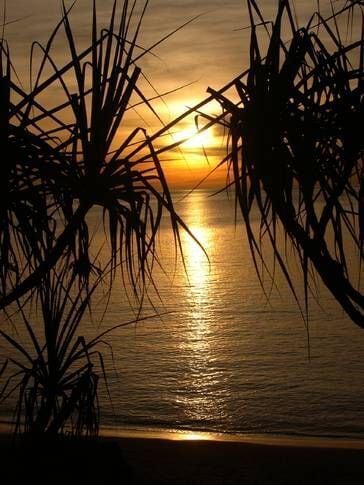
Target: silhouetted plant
{"points": [[296, 146], [62, 161], [57, 370], [86, 162], [55, 379], [296, 140]]}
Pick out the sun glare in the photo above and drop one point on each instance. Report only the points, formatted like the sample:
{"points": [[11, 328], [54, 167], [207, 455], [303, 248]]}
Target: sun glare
{"points": [[194, 139]]}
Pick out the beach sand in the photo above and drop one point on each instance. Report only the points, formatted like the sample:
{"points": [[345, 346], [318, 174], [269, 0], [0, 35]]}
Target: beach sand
{"points": [[173, 458]]}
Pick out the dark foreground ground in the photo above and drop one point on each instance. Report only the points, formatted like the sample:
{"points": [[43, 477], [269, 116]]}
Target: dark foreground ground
{"points": [[163, 461]]}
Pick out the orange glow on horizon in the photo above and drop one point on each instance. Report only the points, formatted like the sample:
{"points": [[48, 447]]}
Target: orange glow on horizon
{"points": [[197, 152], [186, 174], [196, 156]]}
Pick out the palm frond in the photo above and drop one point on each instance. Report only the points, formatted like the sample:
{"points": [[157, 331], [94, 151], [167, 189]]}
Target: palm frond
{"points": [[297, 150]]}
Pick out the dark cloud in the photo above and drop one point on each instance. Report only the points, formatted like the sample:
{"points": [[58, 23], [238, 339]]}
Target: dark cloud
{"points": [[209, 50]]}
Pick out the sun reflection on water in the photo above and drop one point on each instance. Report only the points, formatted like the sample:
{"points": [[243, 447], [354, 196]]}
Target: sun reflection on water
{"points": [[196, 259], [197, 262], [200, 403]]}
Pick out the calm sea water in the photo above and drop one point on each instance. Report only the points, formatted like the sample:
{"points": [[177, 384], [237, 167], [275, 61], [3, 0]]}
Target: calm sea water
{"points": [[223, 358]]}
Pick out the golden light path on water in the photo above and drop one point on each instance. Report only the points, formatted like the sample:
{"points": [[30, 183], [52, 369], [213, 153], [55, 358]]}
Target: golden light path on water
{"points": [[199, 403]]}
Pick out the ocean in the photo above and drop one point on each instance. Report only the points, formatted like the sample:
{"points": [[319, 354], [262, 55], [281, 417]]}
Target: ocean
{"points": [[221, 356]]}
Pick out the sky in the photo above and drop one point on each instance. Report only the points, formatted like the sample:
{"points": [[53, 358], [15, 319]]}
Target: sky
{"points": [[210, 51]]}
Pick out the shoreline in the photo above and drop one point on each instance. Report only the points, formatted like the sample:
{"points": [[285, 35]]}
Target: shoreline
{"points": [[188, 435], [163, 457], [171, 434]]}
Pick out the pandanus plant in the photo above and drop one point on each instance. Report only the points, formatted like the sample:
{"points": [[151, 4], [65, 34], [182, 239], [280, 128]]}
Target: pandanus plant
{"points": [[54, 376], [297, 144], [77, 154], [61, 161], [57, 370]]}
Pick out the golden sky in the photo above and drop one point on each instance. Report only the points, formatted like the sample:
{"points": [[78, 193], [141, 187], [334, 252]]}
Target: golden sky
{"points": [[210, 51]]}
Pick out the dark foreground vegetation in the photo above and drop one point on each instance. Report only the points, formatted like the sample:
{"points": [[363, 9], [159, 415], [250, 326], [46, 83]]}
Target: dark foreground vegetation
{"points": [[62, 161], [295, 152], [296, 147]]}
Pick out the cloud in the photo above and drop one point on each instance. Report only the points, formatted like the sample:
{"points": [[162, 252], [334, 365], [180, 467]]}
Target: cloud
{"points": [[209, 50]]}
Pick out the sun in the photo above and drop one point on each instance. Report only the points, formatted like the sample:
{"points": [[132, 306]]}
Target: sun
{"points": [[195, 139]]}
